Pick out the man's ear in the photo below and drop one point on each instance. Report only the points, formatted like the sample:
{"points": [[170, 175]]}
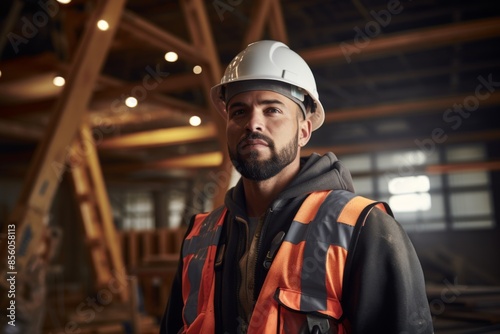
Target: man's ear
{"points": [[305, 130]]}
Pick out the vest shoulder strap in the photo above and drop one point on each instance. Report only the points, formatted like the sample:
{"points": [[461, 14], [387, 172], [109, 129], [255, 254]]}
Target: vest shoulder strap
{"points": [[360, 207]]}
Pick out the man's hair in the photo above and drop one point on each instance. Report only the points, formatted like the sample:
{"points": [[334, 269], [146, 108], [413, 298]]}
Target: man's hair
{"points": [[309, 104]]}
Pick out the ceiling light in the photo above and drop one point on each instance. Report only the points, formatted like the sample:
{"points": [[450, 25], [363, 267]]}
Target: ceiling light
{"points": [[171, 56], [197, 69], [131, 102], [58, 81], [195, 121], [65, 2], [103, 25]]}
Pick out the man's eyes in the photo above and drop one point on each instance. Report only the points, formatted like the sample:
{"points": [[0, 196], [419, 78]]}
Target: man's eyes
{"points": [[273, 110], [236, 112], [240, 111]]}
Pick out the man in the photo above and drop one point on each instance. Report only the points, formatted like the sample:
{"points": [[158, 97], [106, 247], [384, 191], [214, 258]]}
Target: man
{"points": [[293, 250]]}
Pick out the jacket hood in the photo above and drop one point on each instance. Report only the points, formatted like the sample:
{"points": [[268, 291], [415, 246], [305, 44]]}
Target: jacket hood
{"points": [[317, 172]]}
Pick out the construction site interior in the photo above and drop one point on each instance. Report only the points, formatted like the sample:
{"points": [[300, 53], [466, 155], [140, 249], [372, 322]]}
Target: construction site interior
{"points": [[109, 143]]}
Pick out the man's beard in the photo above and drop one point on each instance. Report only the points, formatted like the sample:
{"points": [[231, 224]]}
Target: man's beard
{"points": [[259, 170]]}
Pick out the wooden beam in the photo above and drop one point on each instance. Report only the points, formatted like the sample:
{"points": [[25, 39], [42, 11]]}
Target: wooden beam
{"points": [[413, 74], [24, 66], [201, 33], [96, 212], [114, 99], [277, 27], [107, 123], [406, 107], [19, 131], [464, 167], [193, 161], [404, 143], [163, 137], [20, 109], [48, 163], [9, 24], [179, 82], [171, 83], [151, 34], [405, 41], [258, 21]]}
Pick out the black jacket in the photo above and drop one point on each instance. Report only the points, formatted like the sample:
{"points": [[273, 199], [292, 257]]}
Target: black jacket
{"points": [[385, 291]]}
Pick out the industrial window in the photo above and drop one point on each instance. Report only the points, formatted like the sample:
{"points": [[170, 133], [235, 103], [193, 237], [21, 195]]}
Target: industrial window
{"points": [[423, 201], [176, 207], [471, 202], [133, 210]]}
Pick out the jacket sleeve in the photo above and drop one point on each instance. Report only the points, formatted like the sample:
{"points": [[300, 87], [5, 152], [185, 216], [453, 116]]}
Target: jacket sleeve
{"points": [[385, 289], [171, 322]]}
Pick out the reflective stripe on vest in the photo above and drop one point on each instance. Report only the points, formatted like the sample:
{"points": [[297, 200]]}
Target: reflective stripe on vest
{"points": [[198, 253], [305, 276]]}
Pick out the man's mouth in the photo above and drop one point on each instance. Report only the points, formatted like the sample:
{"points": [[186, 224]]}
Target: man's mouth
{"points": [[253, 142]]}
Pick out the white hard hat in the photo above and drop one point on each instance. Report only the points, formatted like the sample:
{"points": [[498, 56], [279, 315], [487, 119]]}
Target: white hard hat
{"points": [[270, 61]]}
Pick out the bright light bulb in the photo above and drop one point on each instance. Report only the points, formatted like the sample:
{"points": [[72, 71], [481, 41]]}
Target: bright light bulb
{"points": [[171, 56], [131, 102], [64, 2], [195, 121], [58, 81], [197, 69], [103, 25]]}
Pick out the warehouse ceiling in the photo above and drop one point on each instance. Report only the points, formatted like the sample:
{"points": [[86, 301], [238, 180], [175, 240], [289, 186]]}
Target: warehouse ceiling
{"points": [[390, 74]]}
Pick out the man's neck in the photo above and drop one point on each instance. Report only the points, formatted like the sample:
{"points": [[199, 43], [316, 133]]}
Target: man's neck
{"points": [[260, 194]]}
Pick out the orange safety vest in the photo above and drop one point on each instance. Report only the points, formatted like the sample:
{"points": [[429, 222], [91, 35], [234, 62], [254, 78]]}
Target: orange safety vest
{"points": [[304, 282]]}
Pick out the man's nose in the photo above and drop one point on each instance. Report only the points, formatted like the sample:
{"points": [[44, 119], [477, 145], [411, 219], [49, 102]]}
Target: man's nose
{"points": [[255, 121]]}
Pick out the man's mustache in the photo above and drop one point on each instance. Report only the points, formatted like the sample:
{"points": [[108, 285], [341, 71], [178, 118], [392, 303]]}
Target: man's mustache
{"points": [[256, 135]]}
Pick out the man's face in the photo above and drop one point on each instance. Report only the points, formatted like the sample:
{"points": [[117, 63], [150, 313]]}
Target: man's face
{"points": [[263, 133]]}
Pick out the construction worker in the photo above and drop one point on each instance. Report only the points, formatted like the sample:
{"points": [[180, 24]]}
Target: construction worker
{"points": [[293, 249]]}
